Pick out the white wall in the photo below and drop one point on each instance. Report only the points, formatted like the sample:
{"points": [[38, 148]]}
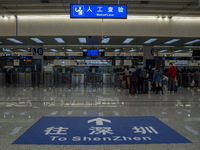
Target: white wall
{"points": [[7, 27], [64, 26]]}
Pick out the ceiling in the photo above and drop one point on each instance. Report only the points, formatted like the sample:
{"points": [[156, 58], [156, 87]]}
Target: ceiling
{"points": [[186, 8], [115, 42], [135, 7]]}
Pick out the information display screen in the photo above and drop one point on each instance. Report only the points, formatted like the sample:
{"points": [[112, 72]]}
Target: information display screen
{"points": [[98, 11], [92, 52]]}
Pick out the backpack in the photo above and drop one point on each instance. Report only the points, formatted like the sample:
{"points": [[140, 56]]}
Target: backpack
{"points": [[143, 73], [133, 76]]}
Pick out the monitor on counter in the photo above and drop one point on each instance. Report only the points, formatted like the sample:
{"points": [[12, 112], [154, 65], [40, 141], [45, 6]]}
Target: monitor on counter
{"points": [[92, 52]]}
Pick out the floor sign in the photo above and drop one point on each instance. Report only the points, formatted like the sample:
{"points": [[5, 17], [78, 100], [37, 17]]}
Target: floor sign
{"points": [[100, 130]]}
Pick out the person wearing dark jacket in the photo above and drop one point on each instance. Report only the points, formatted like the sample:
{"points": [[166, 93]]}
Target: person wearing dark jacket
{"points": [[133, 79], [171, 74], [157, 78]]}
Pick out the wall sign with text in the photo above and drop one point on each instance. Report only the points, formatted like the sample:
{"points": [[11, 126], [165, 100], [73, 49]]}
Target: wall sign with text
{"points": [[98, 11]]}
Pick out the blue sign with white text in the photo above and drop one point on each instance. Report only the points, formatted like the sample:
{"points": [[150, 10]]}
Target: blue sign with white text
{"points": [[98, 11], [100, 130]]}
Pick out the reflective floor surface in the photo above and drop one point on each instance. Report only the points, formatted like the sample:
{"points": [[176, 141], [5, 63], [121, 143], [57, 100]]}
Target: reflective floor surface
{"points": [[20, 108]]}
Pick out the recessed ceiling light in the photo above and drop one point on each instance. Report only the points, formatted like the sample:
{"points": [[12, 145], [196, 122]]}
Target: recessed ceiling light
{"points": [[69, 50], [7, 50], [22, 50], [172, 41], [101, 50], [105, 40], [150, 41], [116, 50], [161, 51], [177, 51], [59, 40], [194, 41], [128, 40], [14, 40], [53, 50], [132, 50], [82, 40], [37, 40]]}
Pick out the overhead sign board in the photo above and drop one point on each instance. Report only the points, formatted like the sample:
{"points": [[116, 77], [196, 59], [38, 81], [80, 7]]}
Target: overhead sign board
{"points": [[98, 11], [100, 130]]}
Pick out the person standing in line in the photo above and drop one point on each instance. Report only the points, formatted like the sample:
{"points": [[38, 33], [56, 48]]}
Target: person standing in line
{"points": [[196, 78], [139, 82], [171, 74], [157, 78], [133, 79], [151, 73], [127, 74]]}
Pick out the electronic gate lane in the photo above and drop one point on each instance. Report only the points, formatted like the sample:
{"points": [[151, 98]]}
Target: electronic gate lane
{"points": [[100, 131]]}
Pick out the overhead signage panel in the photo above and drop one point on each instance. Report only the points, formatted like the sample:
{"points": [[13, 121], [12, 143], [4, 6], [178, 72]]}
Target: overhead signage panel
{"points": [[100, 130], [98, 11]]}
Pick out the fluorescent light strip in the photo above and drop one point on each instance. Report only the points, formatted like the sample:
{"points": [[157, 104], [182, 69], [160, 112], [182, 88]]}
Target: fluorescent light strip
{"points": [[132, 50], [117, 50], [14, 40], [53, 50], [22, 50], [59, 40], [172, 41], [82, 40], [69, 50], [194, 41], [161, 51], [105, 40], [37, 40], [150, 41], [101, 50], [128, 40], [177, 51], [7, 50]]}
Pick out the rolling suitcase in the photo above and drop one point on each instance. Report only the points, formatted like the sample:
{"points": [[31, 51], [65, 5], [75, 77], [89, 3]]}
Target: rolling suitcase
{"points": [[133, 90]]}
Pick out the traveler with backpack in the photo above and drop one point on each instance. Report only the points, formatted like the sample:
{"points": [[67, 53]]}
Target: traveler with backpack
{"points": [[157, 78]]}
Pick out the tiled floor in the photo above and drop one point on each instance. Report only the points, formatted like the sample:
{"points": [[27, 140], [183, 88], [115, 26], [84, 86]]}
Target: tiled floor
{"points": [[20, 109]]}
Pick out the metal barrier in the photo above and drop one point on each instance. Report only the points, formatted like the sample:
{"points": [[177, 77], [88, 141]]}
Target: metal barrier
{"points": [[94, 79], [36, 79], [63, 79], [107, 78], [25, 79], [48, 79], [12, 79], [117, 80], [78, 78], [2, 79]]}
